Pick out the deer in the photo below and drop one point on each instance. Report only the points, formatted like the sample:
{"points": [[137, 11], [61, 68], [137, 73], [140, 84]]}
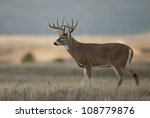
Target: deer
{"points": [[88, 55]]}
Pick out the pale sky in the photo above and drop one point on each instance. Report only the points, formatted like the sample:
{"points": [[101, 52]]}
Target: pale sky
{"points": [[109, 17]]}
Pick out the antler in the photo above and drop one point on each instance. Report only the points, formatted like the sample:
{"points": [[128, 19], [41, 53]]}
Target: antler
{"points": [[72, 27], [60, 27]]}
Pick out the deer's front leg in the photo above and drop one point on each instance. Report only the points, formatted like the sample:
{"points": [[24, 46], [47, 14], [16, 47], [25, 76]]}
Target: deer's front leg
{"points": [[87, 75]]}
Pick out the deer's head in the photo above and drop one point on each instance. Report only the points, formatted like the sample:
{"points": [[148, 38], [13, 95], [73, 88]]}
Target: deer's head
{"points": [[63, 35]]}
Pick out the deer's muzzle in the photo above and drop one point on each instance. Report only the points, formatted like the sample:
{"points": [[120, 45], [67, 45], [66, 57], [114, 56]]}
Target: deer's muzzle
{"points": [[55, 43]]}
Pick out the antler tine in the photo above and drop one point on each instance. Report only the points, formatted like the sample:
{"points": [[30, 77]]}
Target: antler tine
{"points": [[76, 24], [72, 22], [67, 24], [57, 22], [73, 27], [53, 25], [62, 22]]}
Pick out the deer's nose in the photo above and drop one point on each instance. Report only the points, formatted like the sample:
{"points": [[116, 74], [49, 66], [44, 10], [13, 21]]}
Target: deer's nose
{"points": [[55, 43]]}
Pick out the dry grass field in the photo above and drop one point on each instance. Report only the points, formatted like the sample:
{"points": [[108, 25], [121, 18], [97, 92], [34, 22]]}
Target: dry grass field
{"points": [[63, 81], [50, 77]]}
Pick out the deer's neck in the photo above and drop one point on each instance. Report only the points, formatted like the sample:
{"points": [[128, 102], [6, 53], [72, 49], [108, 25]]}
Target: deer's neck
{"points": [[72, 45]]}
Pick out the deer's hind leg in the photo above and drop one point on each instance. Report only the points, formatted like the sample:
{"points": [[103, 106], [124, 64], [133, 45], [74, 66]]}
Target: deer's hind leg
{"points": [[119, 73], [133, 74]]}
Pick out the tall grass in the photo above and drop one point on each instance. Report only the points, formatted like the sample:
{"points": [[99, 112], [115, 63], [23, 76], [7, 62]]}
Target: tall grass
{"points": [[51, 82]]}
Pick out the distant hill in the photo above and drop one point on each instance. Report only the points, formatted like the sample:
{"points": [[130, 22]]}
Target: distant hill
{"points": [[14, 48]]}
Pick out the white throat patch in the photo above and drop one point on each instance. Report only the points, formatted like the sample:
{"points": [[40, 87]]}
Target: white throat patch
{"points": [[66, 46]]}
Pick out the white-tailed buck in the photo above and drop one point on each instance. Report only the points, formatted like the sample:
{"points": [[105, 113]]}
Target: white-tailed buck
{"points": [[115, 55]]}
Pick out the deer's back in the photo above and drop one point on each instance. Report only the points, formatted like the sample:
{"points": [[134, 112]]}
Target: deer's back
{"points": [[102, 54]]}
